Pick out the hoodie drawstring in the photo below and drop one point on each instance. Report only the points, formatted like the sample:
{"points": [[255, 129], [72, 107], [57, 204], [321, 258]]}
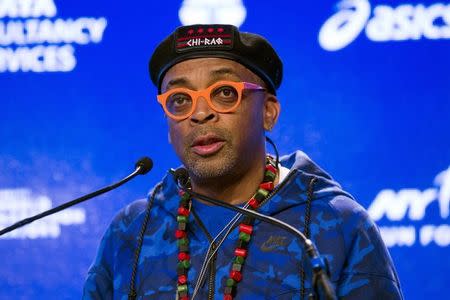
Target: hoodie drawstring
{"points": [[306, 230]]}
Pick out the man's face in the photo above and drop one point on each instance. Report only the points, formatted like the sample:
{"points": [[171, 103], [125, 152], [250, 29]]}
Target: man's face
{"points": [[212, 144]]}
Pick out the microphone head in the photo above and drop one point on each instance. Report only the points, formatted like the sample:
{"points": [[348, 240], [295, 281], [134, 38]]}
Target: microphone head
{"points": [[145, 164], [181, 176]]}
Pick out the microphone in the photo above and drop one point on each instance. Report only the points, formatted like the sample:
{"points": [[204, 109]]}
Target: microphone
{"points": [[142, 166], [323, 288]]}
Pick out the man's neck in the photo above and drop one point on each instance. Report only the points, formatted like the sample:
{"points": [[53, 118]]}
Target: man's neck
{"points": [[236, 189]]}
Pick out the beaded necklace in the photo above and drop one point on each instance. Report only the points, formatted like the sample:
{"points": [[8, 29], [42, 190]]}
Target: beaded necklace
{"points": [[241, 250]]}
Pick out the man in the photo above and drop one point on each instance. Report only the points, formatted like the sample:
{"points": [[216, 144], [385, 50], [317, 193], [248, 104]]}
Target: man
{"points": [[217, 87]]}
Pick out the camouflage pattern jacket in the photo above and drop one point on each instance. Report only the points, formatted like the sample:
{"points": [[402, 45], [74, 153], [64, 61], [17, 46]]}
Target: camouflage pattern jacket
{"points": [[360, 265]]}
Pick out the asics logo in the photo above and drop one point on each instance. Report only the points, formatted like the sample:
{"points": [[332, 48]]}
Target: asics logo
{"points": [[384, 23]]}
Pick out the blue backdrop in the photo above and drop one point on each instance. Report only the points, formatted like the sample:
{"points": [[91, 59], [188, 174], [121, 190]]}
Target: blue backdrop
{"points": [[365, 94]]}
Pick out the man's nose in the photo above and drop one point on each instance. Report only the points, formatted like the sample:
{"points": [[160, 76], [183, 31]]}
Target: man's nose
{"points": [[203, 112]]}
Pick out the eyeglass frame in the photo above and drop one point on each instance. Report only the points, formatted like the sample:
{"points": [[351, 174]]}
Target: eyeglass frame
{"points": [[239, 86]]}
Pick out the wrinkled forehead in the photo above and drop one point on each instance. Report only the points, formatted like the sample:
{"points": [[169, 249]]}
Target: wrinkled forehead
{"points": [[202, 72]]}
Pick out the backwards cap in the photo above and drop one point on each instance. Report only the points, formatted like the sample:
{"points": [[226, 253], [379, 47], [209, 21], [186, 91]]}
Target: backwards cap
{"points": [[222, 41]]}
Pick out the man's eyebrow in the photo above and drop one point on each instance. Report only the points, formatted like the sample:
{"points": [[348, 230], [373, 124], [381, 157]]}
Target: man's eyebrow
{"points": [[214, 74], [224, 71], [177, 81]]}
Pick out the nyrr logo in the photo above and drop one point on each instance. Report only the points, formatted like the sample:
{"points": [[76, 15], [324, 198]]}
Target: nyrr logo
{"points": [[212, 12], [411, 205], [404, 22], [17, 204]]}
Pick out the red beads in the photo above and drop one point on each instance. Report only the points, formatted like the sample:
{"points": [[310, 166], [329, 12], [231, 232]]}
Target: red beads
{"points": [[180, 234], [236, 275], [183, 256], [183, 246], [240, 252], [183, 211], [271, 168], [267, 186], [182, 279], [253, 203], [246, 228]]}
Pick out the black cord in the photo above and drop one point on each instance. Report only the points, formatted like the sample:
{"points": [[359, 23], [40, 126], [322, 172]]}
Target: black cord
{"points": [[137, 253], [306, 231], [277, 160]]}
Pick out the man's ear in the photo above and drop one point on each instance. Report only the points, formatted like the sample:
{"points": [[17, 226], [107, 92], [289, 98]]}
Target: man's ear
{"points": [[271, 111]]}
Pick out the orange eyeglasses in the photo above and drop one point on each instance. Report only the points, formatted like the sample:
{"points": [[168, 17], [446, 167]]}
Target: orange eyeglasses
{"points": [[222, 96]]}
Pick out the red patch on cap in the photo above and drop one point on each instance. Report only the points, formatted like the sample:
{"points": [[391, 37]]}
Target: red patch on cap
{"points": [[204, 37]]}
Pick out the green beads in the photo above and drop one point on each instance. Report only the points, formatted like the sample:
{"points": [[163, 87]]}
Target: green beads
{"points": [[230, 282], [185, 197], [269, 176], [244, 236], [182, 288], [239, 260], [182, 219], [184, 264], [261, 195], [183, 242]]}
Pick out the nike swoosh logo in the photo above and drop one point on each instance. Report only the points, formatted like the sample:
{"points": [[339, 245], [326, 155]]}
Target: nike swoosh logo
{"points": [[274, 243]]}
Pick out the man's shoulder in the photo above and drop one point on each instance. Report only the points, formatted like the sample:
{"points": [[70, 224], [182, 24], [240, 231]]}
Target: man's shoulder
{"points": [[332, 207], [128, 214], [354, 219], [325, 190], [349, 209], [158, 201]]}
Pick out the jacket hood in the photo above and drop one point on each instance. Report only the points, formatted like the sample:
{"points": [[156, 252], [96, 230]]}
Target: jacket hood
{"points": [[325, 184], [305, 181]]}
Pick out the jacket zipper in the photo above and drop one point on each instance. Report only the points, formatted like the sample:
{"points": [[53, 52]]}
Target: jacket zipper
{"points": [[212, 265], [212, 275]]}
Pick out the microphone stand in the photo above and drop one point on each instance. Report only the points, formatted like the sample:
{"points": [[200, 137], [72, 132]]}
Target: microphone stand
{"points": [[323, 289], [142, 167]]}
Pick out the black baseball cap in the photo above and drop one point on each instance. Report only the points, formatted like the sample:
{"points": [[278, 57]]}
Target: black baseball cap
{"points": [[217, 40]]}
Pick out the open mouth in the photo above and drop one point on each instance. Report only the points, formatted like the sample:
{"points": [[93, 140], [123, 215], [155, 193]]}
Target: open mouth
{"points": [[207, 145]]}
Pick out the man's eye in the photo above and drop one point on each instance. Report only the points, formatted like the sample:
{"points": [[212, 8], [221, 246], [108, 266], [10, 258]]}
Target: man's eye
{"points": [[179, 100], [179, 103], [225, 93]]}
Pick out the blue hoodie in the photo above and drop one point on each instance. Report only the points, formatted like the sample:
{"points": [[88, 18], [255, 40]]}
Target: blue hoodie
{"points": [[360, 265]]}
